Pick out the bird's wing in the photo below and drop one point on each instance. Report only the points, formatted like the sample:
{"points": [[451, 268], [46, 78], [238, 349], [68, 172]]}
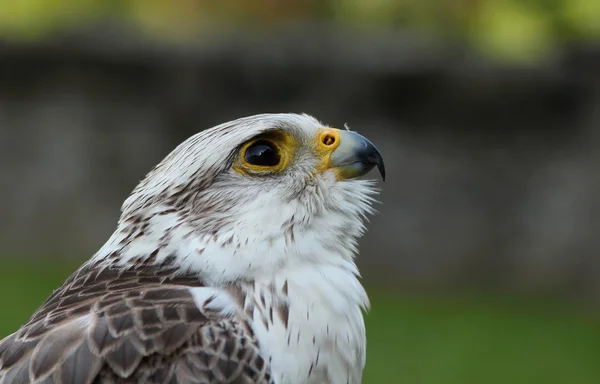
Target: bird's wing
{"points": [[131, 326]]}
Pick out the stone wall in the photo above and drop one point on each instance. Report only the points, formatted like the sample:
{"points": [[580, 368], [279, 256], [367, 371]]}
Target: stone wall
{"points": [[493, 169]]}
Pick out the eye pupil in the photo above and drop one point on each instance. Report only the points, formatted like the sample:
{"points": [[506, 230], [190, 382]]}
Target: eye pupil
{"points": [[262, 153]]}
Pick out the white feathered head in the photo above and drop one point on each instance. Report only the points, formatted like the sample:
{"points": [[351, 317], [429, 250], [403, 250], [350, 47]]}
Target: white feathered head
{"points": [[254, 195]]}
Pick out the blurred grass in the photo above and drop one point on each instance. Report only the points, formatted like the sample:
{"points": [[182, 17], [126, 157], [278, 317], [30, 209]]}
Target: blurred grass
{"points": [[417, 339], [484, 339]]}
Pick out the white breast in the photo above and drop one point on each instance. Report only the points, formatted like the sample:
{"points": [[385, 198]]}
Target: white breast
{"points": [[324, 340]]}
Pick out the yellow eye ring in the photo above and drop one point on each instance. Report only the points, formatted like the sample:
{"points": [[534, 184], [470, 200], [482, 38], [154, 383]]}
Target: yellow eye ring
{"points": [[267, 153]]}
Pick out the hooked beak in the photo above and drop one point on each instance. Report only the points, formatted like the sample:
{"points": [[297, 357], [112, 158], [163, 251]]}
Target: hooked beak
{"points": [[353, 155]]}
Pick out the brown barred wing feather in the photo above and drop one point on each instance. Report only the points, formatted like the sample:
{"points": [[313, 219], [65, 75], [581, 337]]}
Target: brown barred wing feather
{"points": [[130, 326]]}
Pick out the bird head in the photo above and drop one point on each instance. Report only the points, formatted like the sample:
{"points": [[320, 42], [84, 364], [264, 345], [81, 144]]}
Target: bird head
{"points": [[254, 195]]}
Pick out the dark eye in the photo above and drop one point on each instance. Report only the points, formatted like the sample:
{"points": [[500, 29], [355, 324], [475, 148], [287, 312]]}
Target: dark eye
{"points": [[262, 153]]}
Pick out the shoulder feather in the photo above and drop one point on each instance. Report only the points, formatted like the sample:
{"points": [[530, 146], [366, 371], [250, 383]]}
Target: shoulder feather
{"points": [[131, 325]]}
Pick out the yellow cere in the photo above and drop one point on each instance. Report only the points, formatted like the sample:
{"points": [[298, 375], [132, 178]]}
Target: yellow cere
{"points": [[327, 141]]}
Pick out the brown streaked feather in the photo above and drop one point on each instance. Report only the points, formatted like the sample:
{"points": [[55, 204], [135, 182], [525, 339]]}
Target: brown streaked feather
{"points": [[45, 359], [130, 325]]}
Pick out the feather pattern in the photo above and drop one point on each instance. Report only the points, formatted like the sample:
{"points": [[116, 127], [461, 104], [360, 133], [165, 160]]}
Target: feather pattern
{"points": [[135, 325]]}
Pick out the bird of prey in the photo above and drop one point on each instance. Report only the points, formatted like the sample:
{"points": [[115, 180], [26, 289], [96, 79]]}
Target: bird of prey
{"points": [[232, 262]]}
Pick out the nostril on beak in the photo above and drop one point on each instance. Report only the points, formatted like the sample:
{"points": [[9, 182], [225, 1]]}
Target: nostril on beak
{"points": [[328, 139]]}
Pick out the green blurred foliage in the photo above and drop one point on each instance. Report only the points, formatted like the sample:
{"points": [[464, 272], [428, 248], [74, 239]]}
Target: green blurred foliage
{"points": [[513, 29], [417, 339]]}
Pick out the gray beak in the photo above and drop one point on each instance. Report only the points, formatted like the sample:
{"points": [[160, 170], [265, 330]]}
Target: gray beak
{"points": [[355, 156]]}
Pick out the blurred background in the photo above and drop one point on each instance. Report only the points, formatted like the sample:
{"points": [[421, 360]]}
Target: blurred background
{"points": [[483, 265]]}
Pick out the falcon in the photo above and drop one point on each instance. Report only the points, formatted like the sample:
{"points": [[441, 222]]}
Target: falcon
{"points": [[232, 262]]}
